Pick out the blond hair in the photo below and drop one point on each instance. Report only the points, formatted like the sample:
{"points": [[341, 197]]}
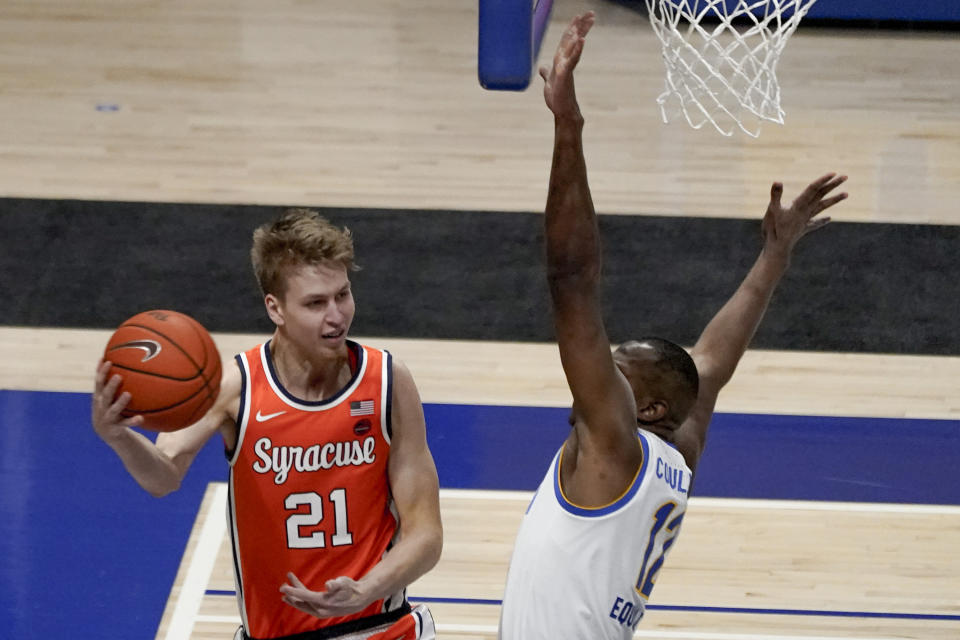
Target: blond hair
{"points": [[297, 237]]}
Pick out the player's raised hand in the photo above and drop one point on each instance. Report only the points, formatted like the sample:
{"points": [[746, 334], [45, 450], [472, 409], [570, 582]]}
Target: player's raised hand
{"points": [[106, 405], [343, 596], [558, 90], [782, 228]]}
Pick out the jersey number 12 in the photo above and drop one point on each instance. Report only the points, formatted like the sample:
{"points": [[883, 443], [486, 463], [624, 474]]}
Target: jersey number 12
{"points": [[648, 575]]}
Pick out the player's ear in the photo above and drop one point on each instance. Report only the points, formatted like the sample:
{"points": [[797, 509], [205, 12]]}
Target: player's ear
{"points": [[274, 309], [652, 411]]}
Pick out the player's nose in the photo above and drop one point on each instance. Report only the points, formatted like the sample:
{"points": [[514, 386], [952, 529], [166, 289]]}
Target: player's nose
{"points": [[335, 316]]}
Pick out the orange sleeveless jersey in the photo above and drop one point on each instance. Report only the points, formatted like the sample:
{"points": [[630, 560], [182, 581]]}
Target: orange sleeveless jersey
{"points": [[309, 491]]}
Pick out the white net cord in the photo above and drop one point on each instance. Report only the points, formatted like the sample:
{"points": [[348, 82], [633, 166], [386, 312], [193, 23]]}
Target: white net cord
{"points": [[721, 59]]}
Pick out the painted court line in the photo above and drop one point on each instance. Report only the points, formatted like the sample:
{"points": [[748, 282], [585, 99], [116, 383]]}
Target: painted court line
{"points": [[491, 630], [694, 608], [739, 503], [746, 610], [222, 619], [195, 583], [808, 505], [717, 503]]}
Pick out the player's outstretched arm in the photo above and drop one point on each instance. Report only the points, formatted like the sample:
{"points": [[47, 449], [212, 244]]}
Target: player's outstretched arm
{"points": [[157, 467], [602, 397], [726, 337], [415, 489]]}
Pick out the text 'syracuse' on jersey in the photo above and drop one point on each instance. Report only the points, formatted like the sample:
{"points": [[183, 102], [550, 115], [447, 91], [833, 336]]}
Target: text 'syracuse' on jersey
{"points": [[309, 491]]}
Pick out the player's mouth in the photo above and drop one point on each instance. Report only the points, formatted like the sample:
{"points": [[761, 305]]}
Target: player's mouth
{"points": [[333, 336]]}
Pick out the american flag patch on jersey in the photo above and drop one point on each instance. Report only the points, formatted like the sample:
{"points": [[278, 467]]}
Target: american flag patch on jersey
{"points": [[361, 408]]}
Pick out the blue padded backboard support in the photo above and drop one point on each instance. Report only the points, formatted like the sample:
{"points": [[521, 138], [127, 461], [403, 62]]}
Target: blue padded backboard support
{"points": [[510, 33]]}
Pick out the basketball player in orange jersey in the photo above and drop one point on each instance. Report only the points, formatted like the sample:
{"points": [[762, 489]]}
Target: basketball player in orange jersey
{"points": [[333, 503], [611, 504]]}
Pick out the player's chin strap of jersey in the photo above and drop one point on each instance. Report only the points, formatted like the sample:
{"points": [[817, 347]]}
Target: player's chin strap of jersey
{"points": [[342, 629]]}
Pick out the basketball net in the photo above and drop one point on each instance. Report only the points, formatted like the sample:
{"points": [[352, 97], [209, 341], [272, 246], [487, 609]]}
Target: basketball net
{"points": [[721, 59]]}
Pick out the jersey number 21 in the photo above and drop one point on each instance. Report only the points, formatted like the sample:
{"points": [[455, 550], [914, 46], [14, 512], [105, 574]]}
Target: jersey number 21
{"points": [[313, 517]]}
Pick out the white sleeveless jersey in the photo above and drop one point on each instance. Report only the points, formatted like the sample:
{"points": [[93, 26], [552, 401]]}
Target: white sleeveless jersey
{"points": [[586, 573]]}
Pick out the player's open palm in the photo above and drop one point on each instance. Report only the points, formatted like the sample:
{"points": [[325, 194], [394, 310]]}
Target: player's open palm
{"points": [[343, 596], [783, 227], [558, 90]]}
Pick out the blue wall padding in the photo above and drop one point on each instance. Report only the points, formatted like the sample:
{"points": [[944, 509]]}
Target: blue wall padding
{"points": [[505, 48], [923, 10], [934, 10], [510, 34]]}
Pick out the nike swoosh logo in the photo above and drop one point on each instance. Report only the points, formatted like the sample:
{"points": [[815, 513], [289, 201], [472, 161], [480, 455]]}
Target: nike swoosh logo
{"points": [[264, 418], [151, 348]]}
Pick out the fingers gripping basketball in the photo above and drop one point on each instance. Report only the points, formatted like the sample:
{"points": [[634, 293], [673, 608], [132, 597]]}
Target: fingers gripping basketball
{"points": [[169, 365]]}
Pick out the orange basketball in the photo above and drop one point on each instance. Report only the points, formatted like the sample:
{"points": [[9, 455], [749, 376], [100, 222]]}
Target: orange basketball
{"points": [[170, 366]]}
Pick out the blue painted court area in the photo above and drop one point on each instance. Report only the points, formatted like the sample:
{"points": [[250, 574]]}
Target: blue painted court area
{"points": [[86, 553], [747, 456]]}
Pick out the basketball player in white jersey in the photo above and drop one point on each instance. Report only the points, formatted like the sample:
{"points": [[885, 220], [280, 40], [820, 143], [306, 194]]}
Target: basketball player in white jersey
{"points": [[595, 535], [333, 496]]}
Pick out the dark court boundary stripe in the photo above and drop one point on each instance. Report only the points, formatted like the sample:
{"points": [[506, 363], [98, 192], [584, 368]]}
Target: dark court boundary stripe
{"points": [[479, 275], [672, 607]]}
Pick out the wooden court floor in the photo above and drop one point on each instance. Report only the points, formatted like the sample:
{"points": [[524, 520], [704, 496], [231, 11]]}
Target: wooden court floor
{"points": [[768, 569], [742, 569], [376, 104]]}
